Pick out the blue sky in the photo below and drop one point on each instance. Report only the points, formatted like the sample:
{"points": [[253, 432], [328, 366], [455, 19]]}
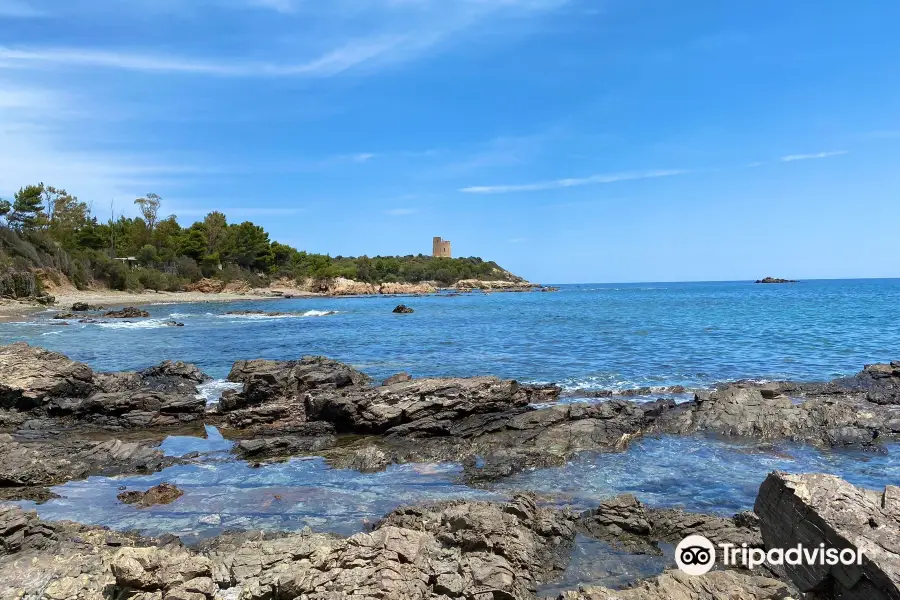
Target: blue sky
{"points": [[569, 140]]}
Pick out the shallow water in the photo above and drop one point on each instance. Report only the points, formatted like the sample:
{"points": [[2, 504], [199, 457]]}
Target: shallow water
{"points": [[594, 336], [697, 473]]}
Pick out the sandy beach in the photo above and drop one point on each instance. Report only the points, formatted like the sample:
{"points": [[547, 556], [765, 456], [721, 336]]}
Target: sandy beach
{"points": [[14, 309]]}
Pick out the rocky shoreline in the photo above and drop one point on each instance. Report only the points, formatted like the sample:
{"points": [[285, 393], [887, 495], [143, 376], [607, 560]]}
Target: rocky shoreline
{"points": [[63, 421]]}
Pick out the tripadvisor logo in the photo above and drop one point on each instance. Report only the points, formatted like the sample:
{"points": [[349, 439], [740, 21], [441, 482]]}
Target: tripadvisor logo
{"points": [[696, 555]]}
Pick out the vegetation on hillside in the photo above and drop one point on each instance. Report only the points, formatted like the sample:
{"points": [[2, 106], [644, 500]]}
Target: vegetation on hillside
{"points": [[46, 227]]}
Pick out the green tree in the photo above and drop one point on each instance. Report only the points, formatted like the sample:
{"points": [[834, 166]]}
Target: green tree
{"points": [[250, 247], [5, 208], [149, 207], [193, 243], [147, 256], [66, 214], [27, 208], [216, 226]]}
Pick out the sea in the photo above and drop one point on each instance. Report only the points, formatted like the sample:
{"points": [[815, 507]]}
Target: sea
{"points": [[584, 337]]}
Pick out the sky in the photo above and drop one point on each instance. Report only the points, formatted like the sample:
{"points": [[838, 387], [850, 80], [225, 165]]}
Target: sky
{"points": [[568, 140]]}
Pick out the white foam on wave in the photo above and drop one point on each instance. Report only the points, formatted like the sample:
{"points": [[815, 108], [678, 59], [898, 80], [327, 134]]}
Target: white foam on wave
{"points": [[265, 317], [211, 391], [143, 324]]}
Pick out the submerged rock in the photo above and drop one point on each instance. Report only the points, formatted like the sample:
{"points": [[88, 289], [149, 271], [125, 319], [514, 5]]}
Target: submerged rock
{"points": [[64, 315], [284, 446], [625, 521], [164, 493], [675, 585], [403, 309], [129, 312], [819, 509]]}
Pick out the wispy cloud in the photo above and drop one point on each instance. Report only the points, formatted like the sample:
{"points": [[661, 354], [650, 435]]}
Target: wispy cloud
{"points": [[572, 182], [401, 212], [241, 212], [793, 157], [331, 63], [18, 9]]}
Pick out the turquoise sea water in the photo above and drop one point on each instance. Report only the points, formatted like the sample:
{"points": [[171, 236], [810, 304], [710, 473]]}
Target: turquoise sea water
{"points": [[585, 336], [600, 336]]}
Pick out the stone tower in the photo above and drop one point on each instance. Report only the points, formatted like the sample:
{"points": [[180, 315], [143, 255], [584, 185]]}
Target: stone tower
{"points": [[440, 248]]}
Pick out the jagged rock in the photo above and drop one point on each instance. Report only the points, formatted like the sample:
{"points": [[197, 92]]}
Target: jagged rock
{"points": [[818, 509], [65, 315], [739, 410], [274, 391], [164, 493], [82, 307], [51, 462], [29, 375], [403, 309], [129, 312], [675, 585], [627, 522], [128, 409], [55, 560], [398, 378], [451, 549], [173, 376], [775, 280], [422, 406], [177, 572], [369, 459], [265, 448], [542, 393]]}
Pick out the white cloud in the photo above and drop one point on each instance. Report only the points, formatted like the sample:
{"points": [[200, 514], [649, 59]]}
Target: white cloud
{"points": [[242, 212], [793, 157], [573, 182], [331, 63], [364, 157], [40, 141], [387, 32]]}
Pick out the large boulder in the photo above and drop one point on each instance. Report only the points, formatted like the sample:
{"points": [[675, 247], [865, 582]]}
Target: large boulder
{"points": [[816, 509], [273, 394], [29, 375]]}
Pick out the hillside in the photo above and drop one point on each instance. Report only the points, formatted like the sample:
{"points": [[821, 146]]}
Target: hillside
{"points": [[49, 238]]}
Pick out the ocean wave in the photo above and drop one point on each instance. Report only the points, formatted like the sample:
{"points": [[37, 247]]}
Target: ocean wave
{"points": [[269, 316], [143, 324], [211, 391]]}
